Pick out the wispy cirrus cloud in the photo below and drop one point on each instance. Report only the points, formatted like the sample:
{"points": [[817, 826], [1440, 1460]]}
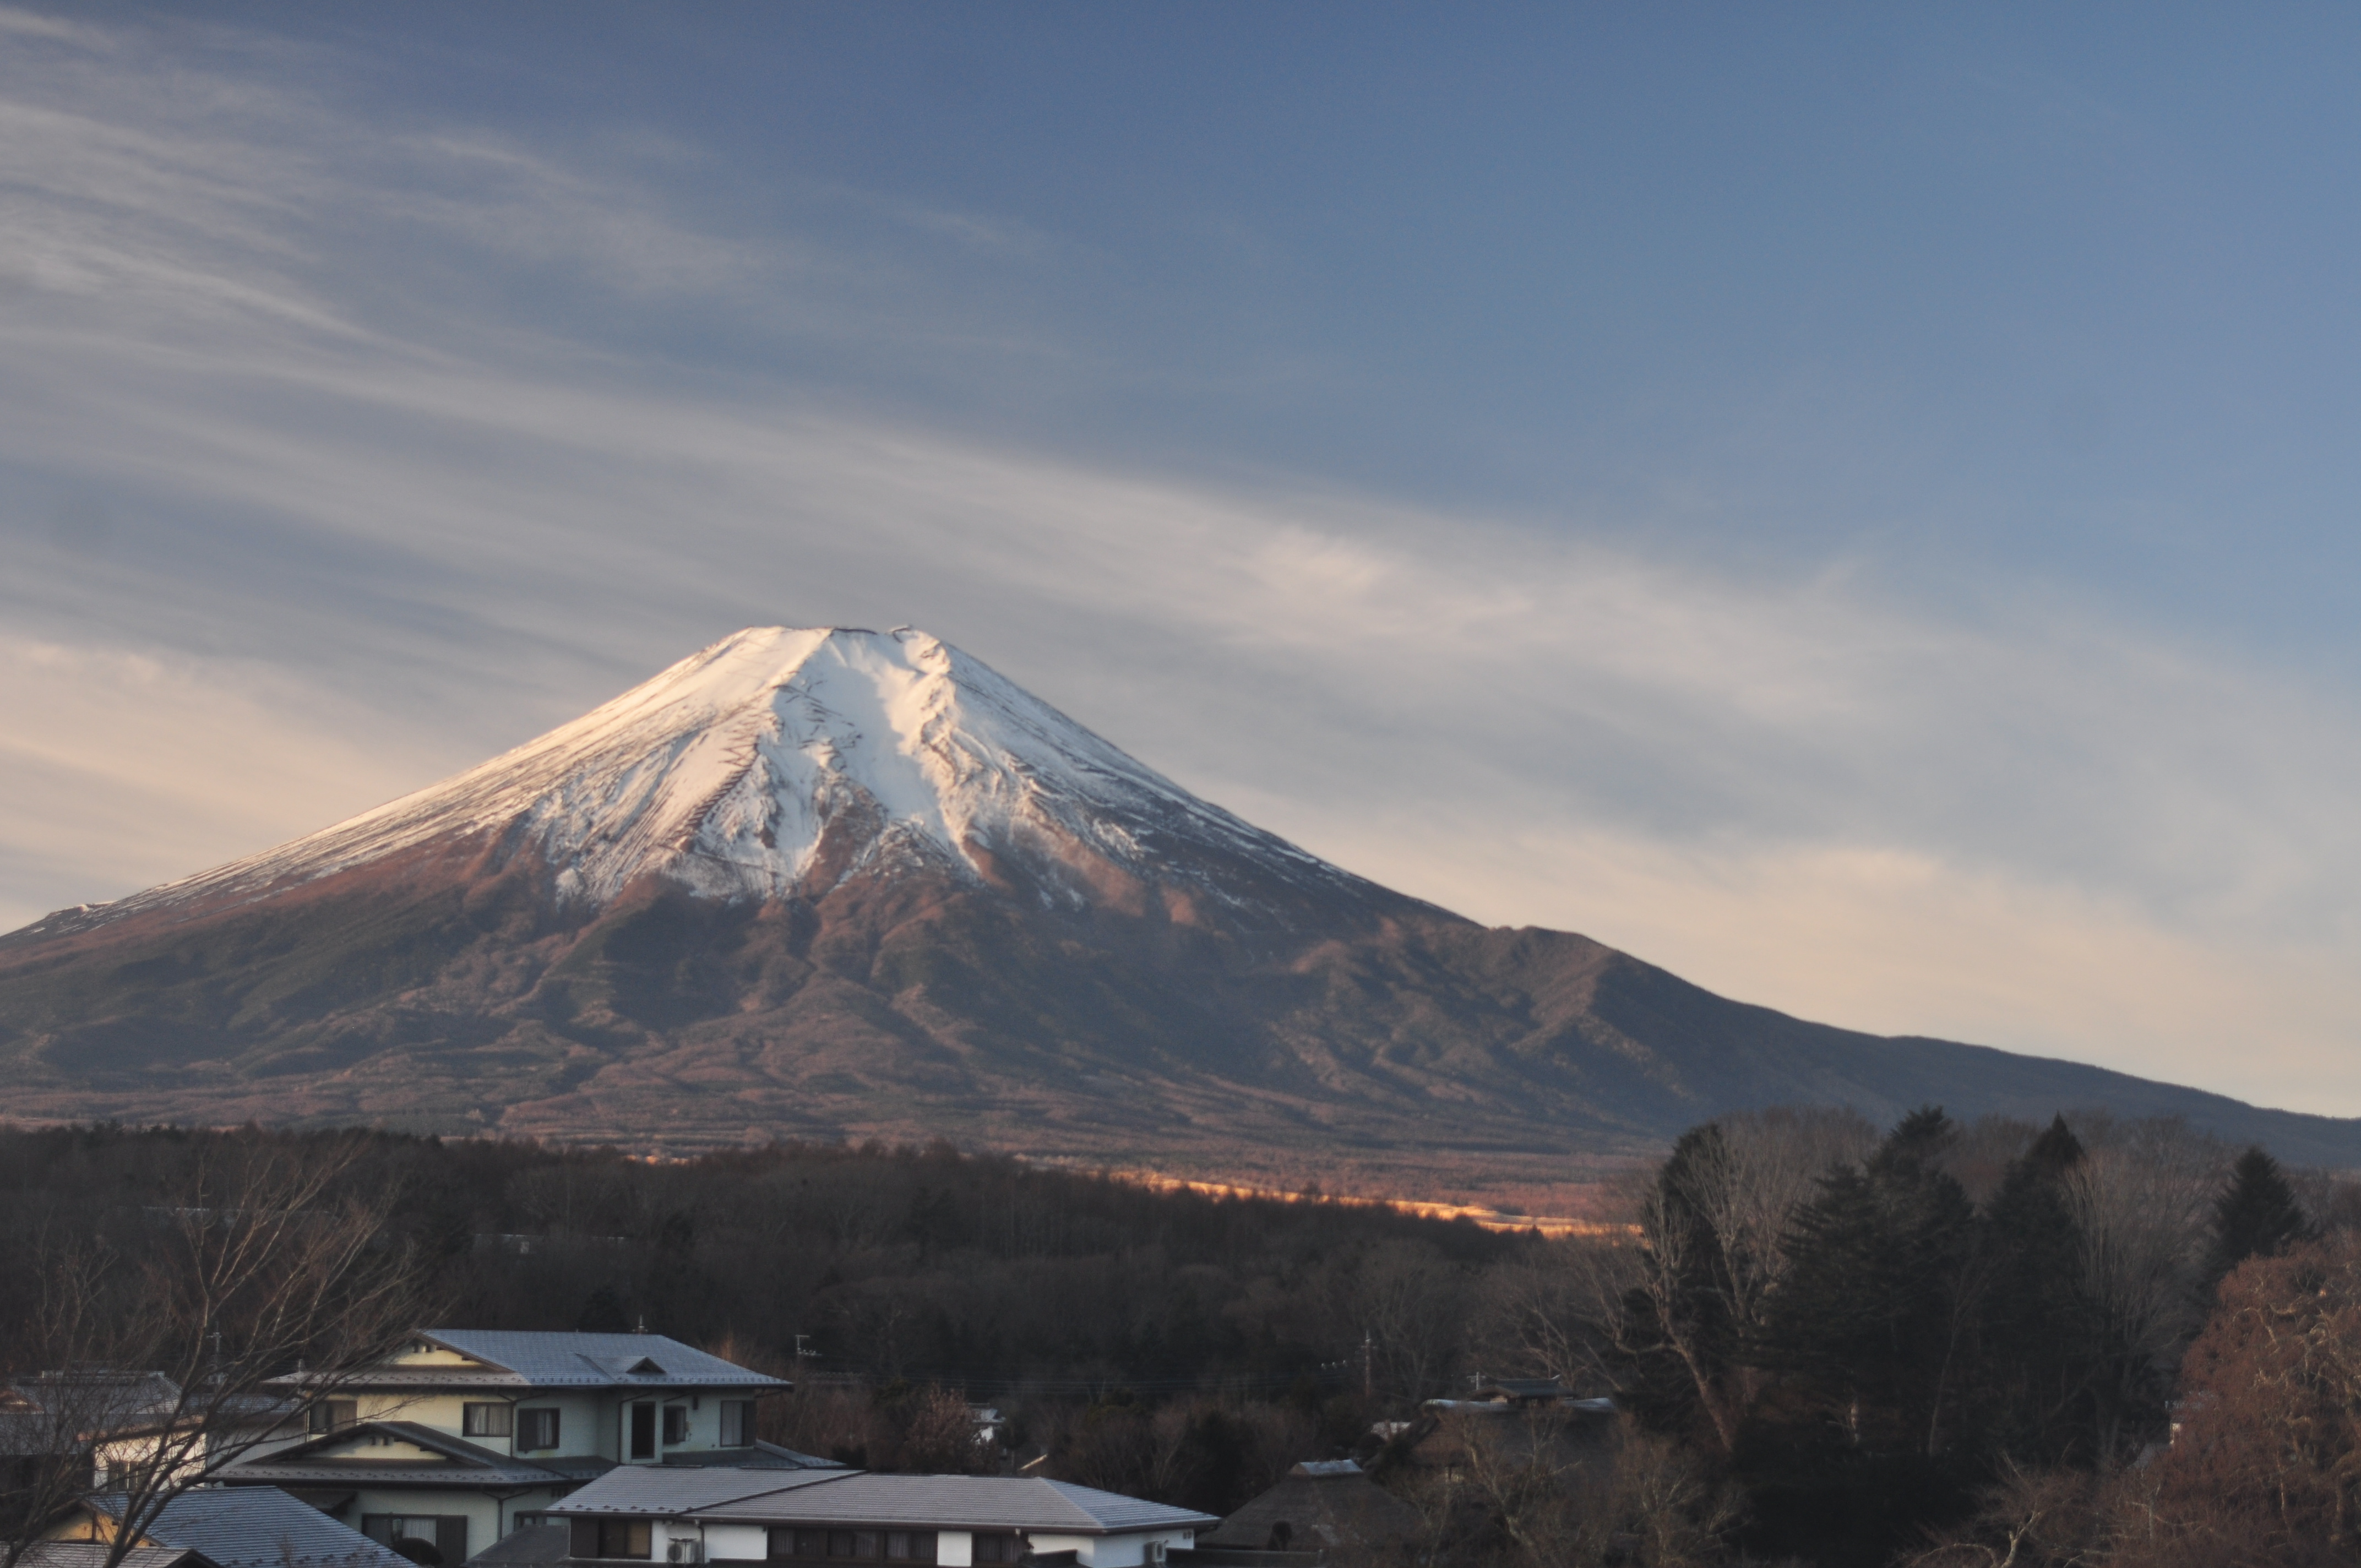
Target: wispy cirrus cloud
{"points": [[301, 505]]}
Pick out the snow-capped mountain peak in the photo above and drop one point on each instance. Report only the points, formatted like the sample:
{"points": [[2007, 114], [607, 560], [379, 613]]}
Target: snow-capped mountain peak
{"points": [[782, 761]]}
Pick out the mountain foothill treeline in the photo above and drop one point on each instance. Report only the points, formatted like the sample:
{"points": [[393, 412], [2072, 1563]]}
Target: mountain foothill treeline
{"points": [[2097, 1342]]}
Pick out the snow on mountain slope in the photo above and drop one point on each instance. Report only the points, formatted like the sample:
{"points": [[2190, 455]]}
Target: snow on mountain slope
{"points": [[782, 761]]}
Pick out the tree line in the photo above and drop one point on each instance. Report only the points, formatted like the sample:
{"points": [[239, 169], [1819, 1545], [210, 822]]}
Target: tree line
{"points": [[1895, 1347], [2097, 1342]]}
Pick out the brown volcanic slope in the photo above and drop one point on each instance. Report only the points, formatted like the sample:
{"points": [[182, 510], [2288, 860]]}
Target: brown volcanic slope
{"points": [[1249, 1019]]}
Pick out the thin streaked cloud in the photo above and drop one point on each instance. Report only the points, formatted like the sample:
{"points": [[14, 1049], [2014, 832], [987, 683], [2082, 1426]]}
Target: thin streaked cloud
{"points": [[304, 502]]}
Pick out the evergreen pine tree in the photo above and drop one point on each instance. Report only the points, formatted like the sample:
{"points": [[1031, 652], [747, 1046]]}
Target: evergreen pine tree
{"points": [[2256, 1215], [1880, 1269], [2040, 1346], [1872, 1332]]}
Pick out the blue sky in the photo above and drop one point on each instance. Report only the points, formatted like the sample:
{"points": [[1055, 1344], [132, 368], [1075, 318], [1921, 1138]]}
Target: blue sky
{"points": [[1850, 503]]}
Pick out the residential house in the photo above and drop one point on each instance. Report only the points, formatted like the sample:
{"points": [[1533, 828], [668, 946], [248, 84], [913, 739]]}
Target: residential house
{"points": [[464, 1435], [108, 1423], [1320, 1505], [854, 1519], [254, 1527]]}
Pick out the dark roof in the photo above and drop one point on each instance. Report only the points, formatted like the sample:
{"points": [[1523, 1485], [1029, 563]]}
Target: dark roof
{"points": [[93, 1555], [757, 1456], [456, 1462], [851, 1496], [659, 1491], [257, 1526], [527, 1548], [947, 1502], [92, 1401], [516, 1359], [1325, 1504], [26, 1432], [130, 1393]]}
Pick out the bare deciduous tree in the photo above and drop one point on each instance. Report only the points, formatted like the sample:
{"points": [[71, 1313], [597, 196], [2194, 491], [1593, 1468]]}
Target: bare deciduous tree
{"points": [[1767, 1165], [1412, 1302], [269, 1261], [2141, 1197], [1713, 1222]]}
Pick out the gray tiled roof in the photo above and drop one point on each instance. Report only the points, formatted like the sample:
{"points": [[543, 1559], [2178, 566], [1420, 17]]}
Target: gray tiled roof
{"points": [[93, 1555], [100, 1396], [526, 1360], [458, 1462], [758, 1455], [946, 1502], [660, 1491], [526, 1547], [22, 1432], [259, 1526], [960, 1502]]}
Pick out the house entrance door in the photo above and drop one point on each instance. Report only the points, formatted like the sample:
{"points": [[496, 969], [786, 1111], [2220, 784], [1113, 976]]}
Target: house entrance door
{"points": [[641, 1439]]}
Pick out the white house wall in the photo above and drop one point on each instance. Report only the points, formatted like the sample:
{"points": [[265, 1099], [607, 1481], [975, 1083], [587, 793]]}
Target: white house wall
{"points": [[1111, 1551], [587, 1423], [737, 1542]]}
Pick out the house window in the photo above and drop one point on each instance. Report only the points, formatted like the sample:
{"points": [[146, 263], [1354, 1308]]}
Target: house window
{"points": [[675, 1424], [737, 1422], [485, 1420], [905, 1546], [536, 1429], [334, 1416], [998, 1547], [612, 1538], [433, 1541]]}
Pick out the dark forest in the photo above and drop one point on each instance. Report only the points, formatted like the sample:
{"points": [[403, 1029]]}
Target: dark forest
{"points": [[1937, 1344]]}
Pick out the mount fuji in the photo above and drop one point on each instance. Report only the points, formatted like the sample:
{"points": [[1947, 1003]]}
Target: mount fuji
{"points": [[840, 883]]}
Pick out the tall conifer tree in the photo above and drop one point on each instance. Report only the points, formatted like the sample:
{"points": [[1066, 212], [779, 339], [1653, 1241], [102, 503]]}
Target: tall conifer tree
{"points": [[2256, 1215], [2040, 1331], [1880, 1272]]}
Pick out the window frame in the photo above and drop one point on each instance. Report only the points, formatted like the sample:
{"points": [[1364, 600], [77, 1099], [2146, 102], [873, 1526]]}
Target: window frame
{"points": [[448, 1532], [675, 1415], [604, 1534], [326, 1418], [530, 1423], [827, 1543], [737, 1423], [921, 1548], [487, 1418]]}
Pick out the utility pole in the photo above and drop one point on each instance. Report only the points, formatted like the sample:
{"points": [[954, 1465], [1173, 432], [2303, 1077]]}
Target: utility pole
{"points": [[1368, 1367]]}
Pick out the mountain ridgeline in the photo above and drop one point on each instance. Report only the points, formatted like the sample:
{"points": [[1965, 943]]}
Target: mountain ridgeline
{"points": [[836, 883]]}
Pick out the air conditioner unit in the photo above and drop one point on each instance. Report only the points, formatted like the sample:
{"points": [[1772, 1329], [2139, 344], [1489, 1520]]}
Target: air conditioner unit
{"points": [[1154, 1552], [684, 1552]]}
